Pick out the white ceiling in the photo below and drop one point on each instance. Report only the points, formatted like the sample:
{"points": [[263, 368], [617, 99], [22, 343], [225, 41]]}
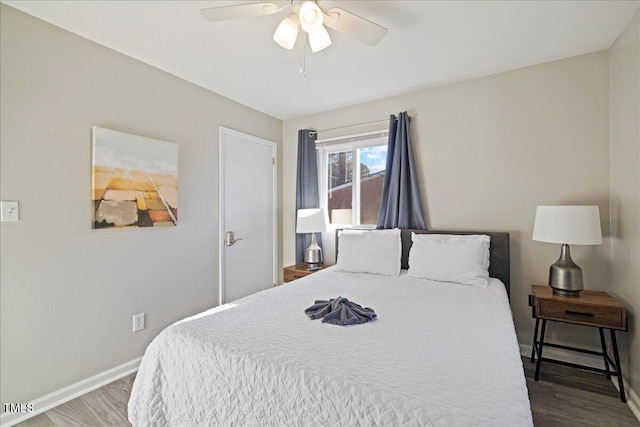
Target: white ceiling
{"points": [[430, 43]]}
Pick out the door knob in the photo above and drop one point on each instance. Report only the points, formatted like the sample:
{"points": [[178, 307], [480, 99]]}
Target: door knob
{"points": [[229, 239]]}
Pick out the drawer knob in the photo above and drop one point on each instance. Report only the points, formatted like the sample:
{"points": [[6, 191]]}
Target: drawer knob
{"points": [[577, 313]]}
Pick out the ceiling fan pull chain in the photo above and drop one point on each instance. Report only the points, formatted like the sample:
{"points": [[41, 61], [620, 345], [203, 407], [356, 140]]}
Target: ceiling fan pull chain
{"points": [[303, 66], [303, 58]]}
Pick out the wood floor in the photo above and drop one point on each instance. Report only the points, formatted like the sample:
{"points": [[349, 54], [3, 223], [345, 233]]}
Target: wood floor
{"points": [[566, 396], [563, 397], [106, 406]]}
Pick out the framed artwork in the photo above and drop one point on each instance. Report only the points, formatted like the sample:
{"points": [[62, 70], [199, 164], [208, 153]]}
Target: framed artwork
{"points": [[134, 181]]}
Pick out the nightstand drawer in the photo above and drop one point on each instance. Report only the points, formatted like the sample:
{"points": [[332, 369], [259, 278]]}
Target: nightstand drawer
{"points": [[291, 275], [608, 317], [298, 271]]}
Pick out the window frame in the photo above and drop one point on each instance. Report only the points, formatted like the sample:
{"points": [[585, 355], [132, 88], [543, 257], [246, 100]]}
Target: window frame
{"points": [[323, 151]]}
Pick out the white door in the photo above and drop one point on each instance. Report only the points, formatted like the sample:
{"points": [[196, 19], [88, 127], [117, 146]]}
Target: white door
{"points": [[248, 210]]}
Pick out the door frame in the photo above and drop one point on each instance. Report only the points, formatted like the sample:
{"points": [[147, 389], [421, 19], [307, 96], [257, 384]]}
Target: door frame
{"points": [[224, 131]]}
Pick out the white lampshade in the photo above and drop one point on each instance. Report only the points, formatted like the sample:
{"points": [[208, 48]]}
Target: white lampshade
{"points": [[311, 18], [341, 216], [287, 32], [319, 40], [311, 221], [573, 225]]}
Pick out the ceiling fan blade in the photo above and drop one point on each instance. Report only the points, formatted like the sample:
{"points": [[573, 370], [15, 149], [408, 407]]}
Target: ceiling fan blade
{"points": [[224, 13], [354, 26]]}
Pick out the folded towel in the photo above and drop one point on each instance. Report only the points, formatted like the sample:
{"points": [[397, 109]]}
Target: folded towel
{"points": [[340, 311]]}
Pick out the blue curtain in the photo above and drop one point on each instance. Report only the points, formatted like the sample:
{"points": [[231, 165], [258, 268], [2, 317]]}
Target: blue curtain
{"points": [[306, 185], [401, 203]]}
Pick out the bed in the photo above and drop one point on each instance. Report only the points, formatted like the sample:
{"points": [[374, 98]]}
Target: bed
{"points": [[438, 354]]}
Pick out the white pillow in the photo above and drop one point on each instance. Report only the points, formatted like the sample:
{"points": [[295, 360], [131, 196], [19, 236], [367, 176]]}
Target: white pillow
{"points": [[450, 258], [375, 252]]}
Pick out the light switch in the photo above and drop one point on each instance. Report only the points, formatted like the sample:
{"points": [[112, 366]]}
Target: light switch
{"points": [[10, 211]]}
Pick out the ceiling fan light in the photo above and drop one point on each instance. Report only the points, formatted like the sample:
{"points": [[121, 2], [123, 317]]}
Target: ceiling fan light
{"points": [[311, 18], [319, 40], [287, 32]]}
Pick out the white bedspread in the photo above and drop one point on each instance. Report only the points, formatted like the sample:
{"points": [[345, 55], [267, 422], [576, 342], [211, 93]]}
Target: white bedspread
{"points": [[439, 354]]}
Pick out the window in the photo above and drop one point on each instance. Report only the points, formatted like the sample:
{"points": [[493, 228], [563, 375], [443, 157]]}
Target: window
{"points": [[351, 179]]}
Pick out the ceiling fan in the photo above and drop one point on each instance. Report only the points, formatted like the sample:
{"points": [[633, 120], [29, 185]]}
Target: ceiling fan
{"points": [[306, 18]]}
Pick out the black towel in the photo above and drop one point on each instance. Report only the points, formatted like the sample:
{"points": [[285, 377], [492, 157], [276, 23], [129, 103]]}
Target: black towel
{"points": [[340, 311]]}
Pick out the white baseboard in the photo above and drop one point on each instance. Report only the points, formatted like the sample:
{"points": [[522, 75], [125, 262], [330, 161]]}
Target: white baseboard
{"points": [[589, 360], [632, 398], [71, 392]]}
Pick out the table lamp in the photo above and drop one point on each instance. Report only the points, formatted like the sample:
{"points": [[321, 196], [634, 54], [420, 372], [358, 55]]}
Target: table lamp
{"points": [[312, 221], [567, 225]]}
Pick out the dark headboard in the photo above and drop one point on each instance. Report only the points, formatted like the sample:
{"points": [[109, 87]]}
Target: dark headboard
{"points": [[499, 261]]}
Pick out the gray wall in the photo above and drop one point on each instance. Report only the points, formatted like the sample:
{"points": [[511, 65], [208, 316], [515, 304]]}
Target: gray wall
{"points": [[67, 292], [625, 189], [489, 150]]}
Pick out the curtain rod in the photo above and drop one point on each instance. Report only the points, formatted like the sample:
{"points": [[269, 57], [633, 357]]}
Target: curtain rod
{"points": [[352, 126]]}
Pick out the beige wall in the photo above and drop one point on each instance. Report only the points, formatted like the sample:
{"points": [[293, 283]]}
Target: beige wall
{"points": [[624, 107], [489, 150], [68, 292]]}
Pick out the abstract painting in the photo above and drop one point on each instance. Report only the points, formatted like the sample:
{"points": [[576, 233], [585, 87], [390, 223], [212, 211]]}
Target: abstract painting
{"points": [[134, 181]]}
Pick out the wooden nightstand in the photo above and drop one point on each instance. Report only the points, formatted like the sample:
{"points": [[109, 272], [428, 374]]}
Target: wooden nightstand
{"points": [[299, 270], [595, 309]]}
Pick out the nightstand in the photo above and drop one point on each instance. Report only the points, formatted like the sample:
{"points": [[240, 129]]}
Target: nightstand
{"points": [[595, 309], [299, 270]]}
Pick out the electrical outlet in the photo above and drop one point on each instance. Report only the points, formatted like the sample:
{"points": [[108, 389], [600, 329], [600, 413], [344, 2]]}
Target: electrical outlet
{"points": [[138, 322]]}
